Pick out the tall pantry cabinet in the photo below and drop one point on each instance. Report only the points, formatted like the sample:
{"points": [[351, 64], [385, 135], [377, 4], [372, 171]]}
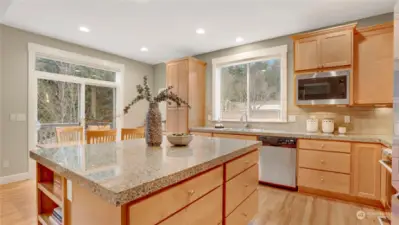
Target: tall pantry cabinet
{"points": [[187, 76]]}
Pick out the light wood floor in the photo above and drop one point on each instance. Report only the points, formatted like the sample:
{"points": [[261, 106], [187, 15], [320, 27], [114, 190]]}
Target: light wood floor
{"points": [[276, 207]]}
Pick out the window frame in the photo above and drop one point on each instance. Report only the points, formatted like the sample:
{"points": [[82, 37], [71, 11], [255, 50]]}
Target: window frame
{"points": [[277, 52], [36, 50]]}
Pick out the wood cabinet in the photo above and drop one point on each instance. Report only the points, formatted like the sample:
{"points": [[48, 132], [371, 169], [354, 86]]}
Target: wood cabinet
{"points": [[336, 49], [207, 210], [373, 68], [245, 212], [348, 171], [366, 170], [324, 49], [176, 198], [329, 181], [187, 76], [235, 136], [307, 53]]}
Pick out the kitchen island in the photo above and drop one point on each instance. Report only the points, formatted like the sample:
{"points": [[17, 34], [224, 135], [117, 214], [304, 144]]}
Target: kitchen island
{"points": [[211, 181]]}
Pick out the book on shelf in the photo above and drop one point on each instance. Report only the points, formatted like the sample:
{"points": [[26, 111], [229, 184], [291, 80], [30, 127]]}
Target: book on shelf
{"points": [[53, 221]]}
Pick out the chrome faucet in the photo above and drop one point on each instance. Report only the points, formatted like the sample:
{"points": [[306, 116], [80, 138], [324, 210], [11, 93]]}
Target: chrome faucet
{"points": [[245, 123]]}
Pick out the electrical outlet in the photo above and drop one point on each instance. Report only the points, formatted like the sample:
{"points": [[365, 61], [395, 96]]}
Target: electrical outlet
{"points": [[347, 119], [6, 163], [21, 117], [292, 118]]}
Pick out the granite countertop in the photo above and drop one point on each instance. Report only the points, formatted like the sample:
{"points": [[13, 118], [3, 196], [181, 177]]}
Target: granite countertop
{"points": [[122, 172], [382, 139]]}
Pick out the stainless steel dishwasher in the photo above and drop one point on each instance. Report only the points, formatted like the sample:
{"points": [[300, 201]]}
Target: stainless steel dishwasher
{"points": [[277, 161]]}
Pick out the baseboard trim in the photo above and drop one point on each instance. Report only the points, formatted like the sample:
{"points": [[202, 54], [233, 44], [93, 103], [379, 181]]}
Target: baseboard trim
{"points": [[342, 197], [14, 178]]}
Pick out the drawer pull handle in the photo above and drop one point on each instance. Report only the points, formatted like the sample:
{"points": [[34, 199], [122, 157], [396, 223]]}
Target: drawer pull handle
{"points": [[322, 146], [191, 192], [322, 179], [246, 185], [244, 214], [322, 162]]}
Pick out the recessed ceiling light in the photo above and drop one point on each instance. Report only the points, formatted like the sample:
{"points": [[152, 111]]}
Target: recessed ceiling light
{"points": [[84, 29], [239, 39], [144, 49], [200, 31]]}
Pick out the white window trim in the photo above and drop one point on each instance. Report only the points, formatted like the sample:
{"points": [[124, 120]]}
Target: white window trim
{"points": [[262, 54], [36, 50]]}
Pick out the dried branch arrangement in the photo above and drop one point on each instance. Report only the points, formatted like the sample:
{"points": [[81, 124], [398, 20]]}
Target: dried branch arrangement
{"points": [[144, 92]]}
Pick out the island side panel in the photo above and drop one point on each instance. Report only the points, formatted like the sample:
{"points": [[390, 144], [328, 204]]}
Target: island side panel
{"points": [[89, 209]]}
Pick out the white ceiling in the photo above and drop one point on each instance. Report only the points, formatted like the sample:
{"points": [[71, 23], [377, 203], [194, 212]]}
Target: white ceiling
{"points": [[167, 27]]}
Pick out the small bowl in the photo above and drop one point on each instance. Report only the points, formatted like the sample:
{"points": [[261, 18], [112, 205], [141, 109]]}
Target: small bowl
{"points": [[181, 140]]}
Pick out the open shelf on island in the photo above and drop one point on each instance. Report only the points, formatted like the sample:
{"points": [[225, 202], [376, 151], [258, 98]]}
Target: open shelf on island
{"points": [[44, 219], [48, 189]]}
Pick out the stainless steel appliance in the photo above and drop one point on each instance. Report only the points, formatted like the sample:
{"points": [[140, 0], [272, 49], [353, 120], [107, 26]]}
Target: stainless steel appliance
{"points": [[324, 88], [277, 161]]}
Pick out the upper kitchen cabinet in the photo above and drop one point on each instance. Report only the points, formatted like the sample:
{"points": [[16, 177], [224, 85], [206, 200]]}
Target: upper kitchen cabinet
{"points": [[373, 67], [324, 49], [187, 76]]}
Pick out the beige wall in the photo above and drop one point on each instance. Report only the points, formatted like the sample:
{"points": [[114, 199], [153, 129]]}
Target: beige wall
{"points": [[363, 120], [14, 89]]}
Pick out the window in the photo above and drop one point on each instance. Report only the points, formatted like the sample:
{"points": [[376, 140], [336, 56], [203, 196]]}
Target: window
{"points": [[252, 83], [68, 89]]}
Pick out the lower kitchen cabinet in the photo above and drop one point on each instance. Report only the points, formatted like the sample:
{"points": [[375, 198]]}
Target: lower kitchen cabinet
{"points": [[366, 170], [236, 136], [353, 174]]}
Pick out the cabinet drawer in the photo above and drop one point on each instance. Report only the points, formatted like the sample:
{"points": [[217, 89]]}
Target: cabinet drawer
{"points": [[171, 200], [330, 161], [236, 136], [202, 134], [333, 146], [240, 187], [207, 210], [245, 212], [237, 166], [327, 181]]}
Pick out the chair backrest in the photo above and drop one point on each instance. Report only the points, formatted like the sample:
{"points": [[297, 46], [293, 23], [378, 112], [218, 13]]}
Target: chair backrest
{"points": [[132, 133], [100, 136], [69, 134], [99, 127]]}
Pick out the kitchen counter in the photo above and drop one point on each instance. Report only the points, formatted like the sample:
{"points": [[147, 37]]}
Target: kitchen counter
{"points": [[123, 172], [382, 139]]}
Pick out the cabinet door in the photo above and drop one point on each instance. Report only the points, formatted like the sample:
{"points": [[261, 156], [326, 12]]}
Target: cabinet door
{"points": [[366, 170], [172, 120], [183, 120], [182, 90], [307, 54], [172, 78], [374, 67], [336, 49]]}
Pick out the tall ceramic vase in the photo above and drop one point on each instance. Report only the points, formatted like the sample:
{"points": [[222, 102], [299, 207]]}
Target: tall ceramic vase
{"points": [[153, 128]]}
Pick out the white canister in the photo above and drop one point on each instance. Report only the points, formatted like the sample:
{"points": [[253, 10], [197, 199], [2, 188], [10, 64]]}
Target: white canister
{"points": [[327, 126], [342, 130], [312, 125]]}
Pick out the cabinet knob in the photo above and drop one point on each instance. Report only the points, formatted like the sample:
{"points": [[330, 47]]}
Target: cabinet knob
{"points": [[246, 185], [191, 192], [322, 161], [322, 146], [246, 161], [322, 179], [244, 214]]}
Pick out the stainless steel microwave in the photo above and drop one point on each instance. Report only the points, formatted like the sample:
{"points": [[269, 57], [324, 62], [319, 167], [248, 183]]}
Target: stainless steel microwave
{"points": [[324, 88]]}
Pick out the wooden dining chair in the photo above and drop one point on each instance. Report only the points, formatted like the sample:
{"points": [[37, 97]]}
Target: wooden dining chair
{"points": [[100, 136], [69, 135], [132, 133]]}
